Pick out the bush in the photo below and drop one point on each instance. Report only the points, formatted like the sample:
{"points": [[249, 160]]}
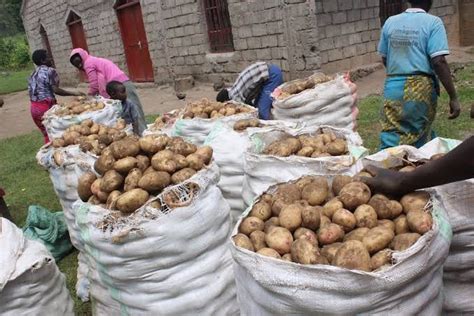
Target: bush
{"points": [[14, 53]]}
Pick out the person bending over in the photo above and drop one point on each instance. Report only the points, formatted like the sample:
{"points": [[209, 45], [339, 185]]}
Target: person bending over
{"points": [[254, 87]]}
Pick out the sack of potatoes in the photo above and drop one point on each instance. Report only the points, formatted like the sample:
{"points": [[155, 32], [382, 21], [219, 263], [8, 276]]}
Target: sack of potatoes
{"points": [[207, 109], [299, 85], [329, 244], [132, 169], [164, 123], [80, 105]]}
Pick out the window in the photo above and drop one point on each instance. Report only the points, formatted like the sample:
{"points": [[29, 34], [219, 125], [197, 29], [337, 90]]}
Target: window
{"points": [[219, 28], [45, 42], [390, 7]]}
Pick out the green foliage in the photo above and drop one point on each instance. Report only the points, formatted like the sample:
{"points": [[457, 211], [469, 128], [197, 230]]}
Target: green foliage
{"points": [[14, 53], [10, 19], [14, 81]]}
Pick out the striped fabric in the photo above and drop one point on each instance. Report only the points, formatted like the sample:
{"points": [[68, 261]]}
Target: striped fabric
{"points": [[249, 82]]}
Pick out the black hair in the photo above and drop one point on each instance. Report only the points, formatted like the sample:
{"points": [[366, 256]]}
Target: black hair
{"points": [[74, 56], [112, 86], [223, 95], [419, 2], [39, 56]]}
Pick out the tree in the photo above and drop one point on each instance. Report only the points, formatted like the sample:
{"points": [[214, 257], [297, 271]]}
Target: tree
{"points": [[10, 19]]}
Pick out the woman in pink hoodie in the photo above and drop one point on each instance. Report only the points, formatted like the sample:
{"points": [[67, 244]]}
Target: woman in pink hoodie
{"points": [[101, 71]]}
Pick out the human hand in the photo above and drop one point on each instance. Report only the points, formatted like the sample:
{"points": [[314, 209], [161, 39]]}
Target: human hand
{"points": [[385, 181], [80, 94], [454, 109]]}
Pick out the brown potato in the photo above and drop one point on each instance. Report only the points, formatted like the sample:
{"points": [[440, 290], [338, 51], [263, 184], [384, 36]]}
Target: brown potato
{"points": [[95, 187], [381, 258], [258, 239], [386, 223], [105, 162], [165, 154], [304, 252], [154, 181], [181, 162], [330, 233], [105, 139], [182, 175], [289, 191], [152, 144], [303, 181], [337, 147], [352, 255], [311, 217], [307, 234], [250, 224], [381, 205], [131, 180], [419, 221], [242, 241], [365, 216], [280, 239], [94, 200], [345, 219], [271, 222], [324, 221], [357, 234], [112, 180], [130, 201], [287, 257], [166, 165], [206, 153], [415, 201], [182, 148], [354, 194], [396, 208], [126, 147], [124, 165], [84, 184], [404, 241], [305, 152], [407, 169], [332, 206], [148, 170], [143, 162], [58, 142], [112, 199], [437, 156], [261, 210], [290, 216], [329, 251], [102, 196], [195, 161], [377, 239], [269, 252], [339, 182], [87, 122], [70, 138], [401, 225], [314, 193]]}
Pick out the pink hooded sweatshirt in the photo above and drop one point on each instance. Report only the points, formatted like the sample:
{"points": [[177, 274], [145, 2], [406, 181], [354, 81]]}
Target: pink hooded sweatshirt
{"points": [[99, 72]]}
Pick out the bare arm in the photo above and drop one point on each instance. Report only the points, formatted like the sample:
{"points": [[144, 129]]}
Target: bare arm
{"points": [[62, 92], [455, 166], [441, 68]]}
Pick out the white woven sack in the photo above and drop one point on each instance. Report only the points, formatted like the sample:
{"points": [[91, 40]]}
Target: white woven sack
{"points": [[262, 171], [168, 263], [196, 130], [413, 285], [30, 281], [165, 128], [57, 125], [330, 103]]}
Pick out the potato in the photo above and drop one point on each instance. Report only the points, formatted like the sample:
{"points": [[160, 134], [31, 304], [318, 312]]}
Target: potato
{"points": [[307, 234], [166, 165], [287, 257], [337, 147], [289, 191], [155, 181], [407, 169], [363, 174], [404, 241], [131, 180], [85, 130], [396, 208], [87, 122], [415, 201], [303, 181], [378, 238], [195, 161], [381, 258], [386, 223], [84, 184], [242, 241], [331, 207], [339, 182], [152, 144], [130, 201], [182, 148], [330, 233], [314, 193], [258, 239], [181, 162], [162, 155], [250, 224], [124, 165], [380, 204], [242, 125], [182, 175], [290, 216], [148, 170], [112, 180], [357, 234], [419, 221], [126, 147], [105, 139], [437, 156], [354, 194], [311, 217], [269, 252], [143, 162], [94, 128], [280, 239], [271, 222], [58, 142], [324, 221], [262, 210], [112, 199], [95, 187], [102, 196], [94, 200], [365, 216], [401, 225], [352, 255], [304, 252], [205, 152], [305, 152], [329, 251], [70, 138]]}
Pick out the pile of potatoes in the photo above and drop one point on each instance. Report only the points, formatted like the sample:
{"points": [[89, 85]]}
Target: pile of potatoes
{"points": [[79, 106], [344, 224], [213, 109], [299, 85], [165, 120], [242, 125], [90, 136], [132, 169], [412, 165], [325, 144]]}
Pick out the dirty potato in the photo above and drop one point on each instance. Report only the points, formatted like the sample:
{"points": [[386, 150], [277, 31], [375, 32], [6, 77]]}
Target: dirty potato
{"points": [[130, 201], [279, 239], [250, 224], [242, 241], [419, 221], [352, 255], [404, 241], [131, 180], [415, 201], [365, 216], [112, 180], [377, 239], [354, 194], [257, 238], [84, 184], [262, 210], [182, 175], [357, 234], [154, 181], [381, 258], [330, 233]]}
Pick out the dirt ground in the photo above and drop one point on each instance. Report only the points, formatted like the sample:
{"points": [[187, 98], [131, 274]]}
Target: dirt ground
{"points": [[16, 119]]}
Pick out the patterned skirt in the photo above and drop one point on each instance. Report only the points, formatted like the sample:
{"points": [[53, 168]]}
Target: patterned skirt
{"points": [[409, 109]]}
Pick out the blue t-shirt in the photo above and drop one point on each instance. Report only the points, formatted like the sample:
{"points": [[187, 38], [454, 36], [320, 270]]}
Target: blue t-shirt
{"points": [[409, 40]]}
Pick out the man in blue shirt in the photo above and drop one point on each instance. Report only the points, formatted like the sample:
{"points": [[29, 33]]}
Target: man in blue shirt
{"points": [[413, 45]]}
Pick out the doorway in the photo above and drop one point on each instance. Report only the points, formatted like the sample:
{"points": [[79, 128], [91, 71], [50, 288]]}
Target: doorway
{"points": [[132, 29], [45, 43], [78, 37], [466, 22], [391, 7]]}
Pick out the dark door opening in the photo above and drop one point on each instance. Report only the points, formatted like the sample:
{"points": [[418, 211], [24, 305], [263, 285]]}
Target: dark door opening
{"points": [[78, 37], [466, 22], [45, 42], [391, 7]]}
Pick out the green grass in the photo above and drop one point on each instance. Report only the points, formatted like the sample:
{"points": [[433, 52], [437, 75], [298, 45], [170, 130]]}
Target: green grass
{"points": [[14, 81]]}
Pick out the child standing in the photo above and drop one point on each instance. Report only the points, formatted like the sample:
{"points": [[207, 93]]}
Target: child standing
{"points": [[43, 84], [130, 111]]}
